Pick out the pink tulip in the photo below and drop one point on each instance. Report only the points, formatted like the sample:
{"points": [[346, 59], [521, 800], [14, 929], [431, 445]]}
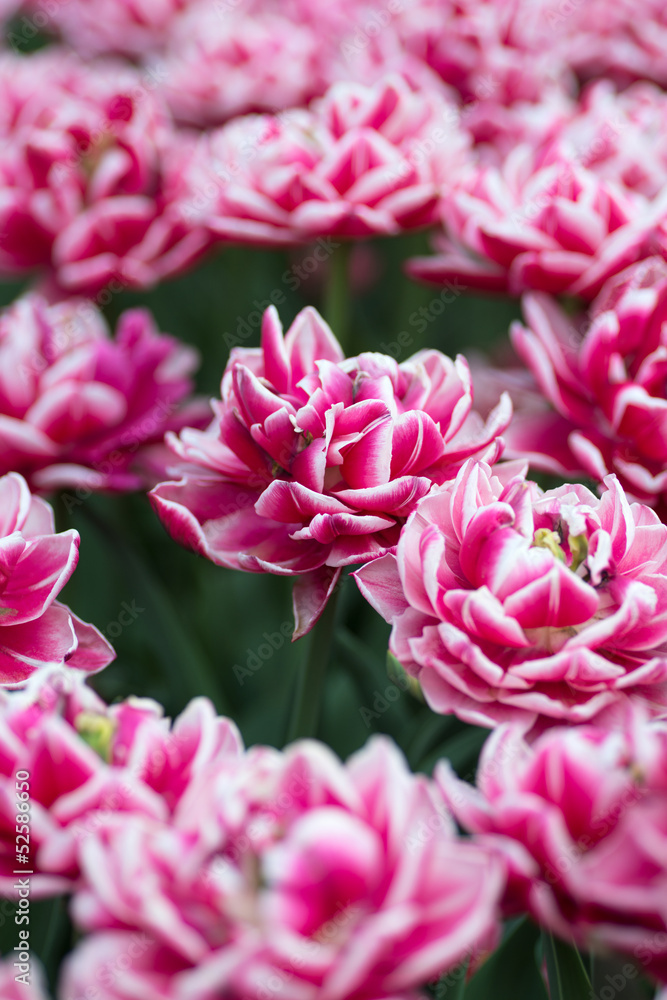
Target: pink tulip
{"points": [[119, 965], [89, 765], [508, 603], [618, 135], [602, 376], [313, 462], [235, 58], [479, 45], [127, 27], [362, 160], [124, 964], [580, 816], [84, 196], [220, 64], [15, 984], [144, 29], [287, 872], [624, 40], [507, 85], [36, 630], [78, 408], [544, 220]]}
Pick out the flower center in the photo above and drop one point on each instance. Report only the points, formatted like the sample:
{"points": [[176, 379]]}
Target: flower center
{"points": [[97, 731], [545, 538]]}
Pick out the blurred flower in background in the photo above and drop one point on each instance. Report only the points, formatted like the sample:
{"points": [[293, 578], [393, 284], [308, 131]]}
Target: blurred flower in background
{"points": [[84, 197], [580, 817], [79, 407], [361, 161], [285, 871]]}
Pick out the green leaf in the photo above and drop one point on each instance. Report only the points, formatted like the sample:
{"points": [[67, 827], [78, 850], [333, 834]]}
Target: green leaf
{"points": [[401, 678], [307, 705], [430, 731], [461, 749], [511, 973], [568, 979], [177, 645], [362, 659]]}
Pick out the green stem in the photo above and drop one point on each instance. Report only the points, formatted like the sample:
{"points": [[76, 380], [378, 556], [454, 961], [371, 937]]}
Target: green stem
{"points": [[185, 660], [568, 979], [337, 293], [56, 938], [312, 673], [364, 661]]}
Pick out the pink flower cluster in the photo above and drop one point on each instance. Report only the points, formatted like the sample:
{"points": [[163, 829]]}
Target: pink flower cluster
{"points": [[531, 135], [80, 408], [404, 94], [123, 195], [313, 462], [36, 630], [84, 170], [619, 135], [211, 868], [217, 60], [513, 604], [580, 816], [363, 160]]}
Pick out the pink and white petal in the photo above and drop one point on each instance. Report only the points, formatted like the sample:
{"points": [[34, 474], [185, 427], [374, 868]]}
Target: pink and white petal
{"points": [[93, 652], [398, 497], [292, 503], [457, 266], [556, 599], [47, 641], [310, 595], [483, 616], [324, 528], [73, 410], [197, 512], [416, 444], [255, 400], [15, 504], [367, 462], [380, 584], [22, 444], [41, 571], [308, 340], [276, 363]]}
